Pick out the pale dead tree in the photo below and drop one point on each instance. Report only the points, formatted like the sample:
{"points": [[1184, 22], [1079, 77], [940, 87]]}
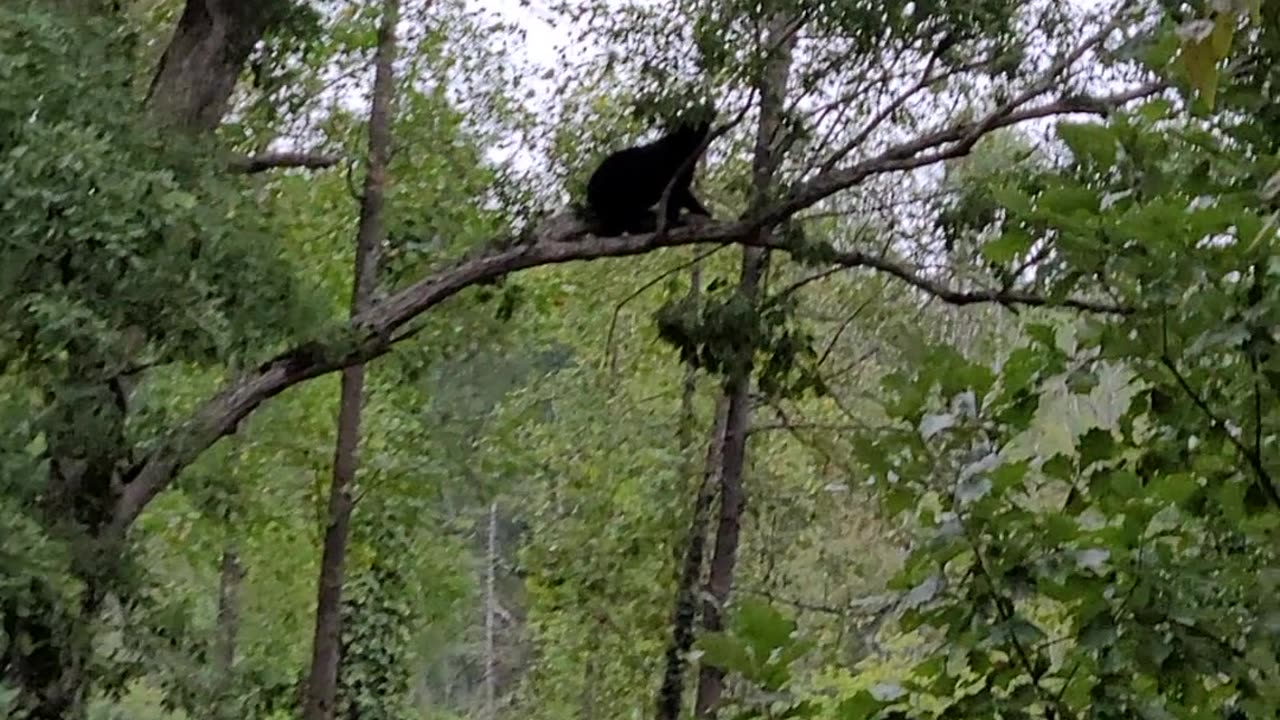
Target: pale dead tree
{"points": [[491, 616]]}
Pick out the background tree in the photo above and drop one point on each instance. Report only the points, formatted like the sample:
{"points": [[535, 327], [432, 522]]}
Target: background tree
{"points": [[1075, 481]]}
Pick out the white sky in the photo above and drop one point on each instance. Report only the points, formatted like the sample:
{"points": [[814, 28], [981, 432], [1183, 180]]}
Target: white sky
{"points": [[545, 44], [542, 38]]}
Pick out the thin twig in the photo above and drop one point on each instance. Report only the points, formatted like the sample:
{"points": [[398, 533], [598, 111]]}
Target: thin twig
{"points": [[1253, 458], [610, 350]]}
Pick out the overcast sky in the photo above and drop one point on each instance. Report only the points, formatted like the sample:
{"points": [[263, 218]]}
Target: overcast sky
{"points": [[543, 44], [542, 38]]}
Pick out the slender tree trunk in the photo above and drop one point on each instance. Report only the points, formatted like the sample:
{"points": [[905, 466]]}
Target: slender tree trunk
{"points": [[224, 655], [689, 555], [326, 647], [737, 388], [491, 617], [228, 628], [671, 692], [589, 686], [732, 502]]}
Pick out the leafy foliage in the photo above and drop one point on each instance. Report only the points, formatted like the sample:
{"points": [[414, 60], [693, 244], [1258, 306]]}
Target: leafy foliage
{"points": [[977, 514], [121, 241], [717, 330]]}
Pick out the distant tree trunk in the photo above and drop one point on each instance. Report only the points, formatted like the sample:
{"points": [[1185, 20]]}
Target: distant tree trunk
{"points": [[737, 388], [199, 69], [326, 647], [491, 616], [589, 686], [227, 631], [224, 651]]}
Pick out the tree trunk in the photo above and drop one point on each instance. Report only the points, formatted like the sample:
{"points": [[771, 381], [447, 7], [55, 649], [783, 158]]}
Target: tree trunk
{"points": [[326, 647], [224, 649], [87, 449], [198, 71], [690, 554], [671, 692], [732, 501], [737, 388], [491, 617], [49, 645]]}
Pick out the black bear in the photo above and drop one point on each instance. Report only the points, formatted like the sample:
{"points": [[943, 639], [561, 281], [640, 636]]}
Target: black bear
{"points": [[622, 192]]}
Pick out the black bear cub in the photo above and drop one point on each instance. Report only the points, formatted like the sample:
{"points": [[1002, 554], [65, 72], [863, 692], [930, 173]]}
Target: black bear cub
{"points": [[623, 191]]}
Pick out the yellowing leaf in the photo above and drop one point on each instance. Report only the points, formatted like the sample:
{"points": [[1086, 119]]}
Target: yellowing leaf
{"points": [[1224, 29]]}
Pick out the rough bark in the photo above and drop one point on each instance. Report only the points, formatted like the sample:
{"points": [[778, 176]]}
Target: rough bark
{"points": [[684, 613], [199, 69], [772, 87], [327, 646]]}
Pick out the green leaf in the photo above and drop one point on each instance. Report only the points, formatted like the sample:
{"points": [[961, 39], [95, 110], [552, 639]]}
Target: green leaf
{"points": [[1067, 199], [761, 625], [1012, 199], [1175, 488], [860, 706], [1008, 246], [1224, 28], [1201, 66], [1090, 142], [727, 653]]}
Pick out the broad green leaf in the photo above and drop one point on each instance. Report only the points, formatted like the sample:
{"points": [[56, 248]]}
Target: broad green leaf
{"points": [[1201, 66], [1089, 141], [726, 652], [1008, 246]]}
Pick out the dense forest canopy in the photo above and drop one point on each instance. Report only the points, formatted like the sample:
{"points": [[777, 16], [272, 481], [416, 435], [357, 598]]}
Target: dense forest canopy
{"points": [[323, 395]]}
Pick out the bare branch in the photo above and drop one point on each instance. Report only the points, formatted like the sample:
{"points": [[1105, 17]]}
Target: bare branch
{"points": [[926, 78], [946, 144], [941, 291], [271, 161], [1047, 81]]}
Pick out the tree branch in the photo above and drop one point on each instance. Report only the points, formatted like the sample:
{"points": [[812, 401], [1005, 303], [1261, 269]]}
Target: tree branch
{"points": [[947, 144], [373, 331], [269, 161]]}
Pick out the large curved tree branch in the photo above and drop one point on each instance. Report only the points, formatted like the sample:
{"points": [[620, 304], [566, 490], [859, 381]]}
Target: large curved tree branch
{"points": [[252, 164], [375, 330]]}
